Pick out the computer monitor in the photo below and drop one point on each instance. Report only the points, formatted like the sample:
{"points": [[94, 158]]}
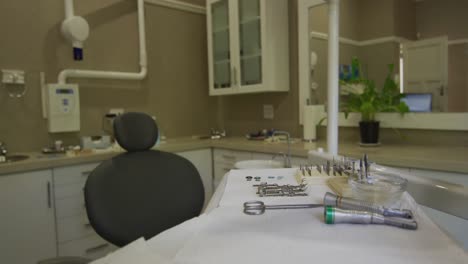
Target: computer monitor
{"points": [[418, 102]]}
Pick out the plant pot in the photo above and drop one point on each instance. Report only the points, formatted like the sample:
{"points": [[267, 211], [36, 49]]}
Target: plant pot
{"points": [[369, 132]]}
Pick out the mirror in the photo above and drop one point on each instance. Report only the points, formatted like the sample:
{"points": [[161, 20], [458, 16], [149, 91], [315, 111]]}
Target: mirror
{"points": [[424, 39]]}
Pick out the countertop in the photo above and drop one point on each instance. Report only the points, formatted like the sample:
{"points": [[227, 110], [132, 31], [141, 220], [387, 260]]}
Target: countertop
{"points": [[451, 159]]}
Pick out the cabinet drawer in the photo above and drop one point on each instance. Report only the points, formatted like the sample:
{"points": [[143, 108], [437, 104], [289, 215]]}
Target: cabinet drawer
{"points": [[74, 227], [230, 156], [70, 206], [68, 190], [92, 247], [73, 174]]}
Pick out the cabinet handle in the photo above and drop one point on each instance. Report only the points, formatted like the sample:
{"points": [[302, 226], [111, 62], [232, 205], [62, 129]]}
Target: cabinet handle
{"points": [[97, 248], [49, 195]]}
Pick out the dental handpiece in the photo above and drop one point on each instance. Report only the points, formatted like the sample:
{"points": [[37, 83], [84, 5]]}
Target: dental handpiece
{"points": [[335, 215], [353, 204]]}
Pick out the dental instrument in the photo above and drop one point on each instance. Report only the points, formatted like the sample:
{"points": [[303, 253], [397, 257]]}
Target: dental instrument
{"points": [[354, 204], [259, 207], [335, 215]]}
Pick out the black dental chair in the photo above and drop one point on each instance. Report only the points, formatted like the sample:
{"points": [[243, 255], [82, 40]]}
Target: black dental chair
{"points": [[142, 192]]}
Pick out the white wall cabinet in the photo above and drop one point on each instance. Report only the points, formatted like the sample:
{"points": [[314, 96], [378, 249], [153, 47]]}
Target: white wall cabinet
{"points": [[248, 46], [27, 224]]}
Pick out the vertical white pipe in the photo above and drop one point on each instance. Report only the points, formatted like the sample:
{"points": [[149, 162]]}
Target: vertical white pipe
{"points": [[142, 33], [78, 73], [333, 81], [69, 9]]}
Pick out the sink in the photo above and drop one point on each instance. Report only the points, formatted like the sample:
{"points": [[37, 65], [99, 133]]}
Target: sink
{"points": [[15, 158], [259, 164]]}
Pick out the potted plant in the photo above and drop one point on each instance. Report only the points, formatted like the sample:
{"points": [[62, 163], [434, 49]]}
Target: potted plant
{"points": [[363, 97]]}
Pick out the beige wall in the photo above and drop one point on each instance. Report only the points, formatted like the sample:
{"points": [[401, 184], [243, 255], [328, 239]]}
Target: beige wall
{"points": [[355, 24], [176, 90], [435, 18], [405, 19], [376, 19], [318, 19], [448, 18], [457, 77], [241, 114]]}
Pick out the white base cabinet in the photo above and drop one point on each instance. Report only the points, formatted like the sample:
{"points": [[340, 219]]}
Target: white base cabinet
{"points": [[75, 236], [202, 160], [27, 224], [224, 161]]}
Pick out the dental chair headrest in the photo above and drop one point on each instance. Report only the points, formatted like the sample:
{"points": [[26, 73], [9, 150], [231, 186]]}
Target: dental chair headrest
{"points": [[135, 131]]}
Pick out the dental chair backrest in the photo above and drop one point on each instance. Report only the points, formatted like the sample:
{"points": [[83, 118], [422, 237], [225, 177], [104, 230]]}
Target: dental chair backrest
{"points": [[440, 195], [142, 192]]}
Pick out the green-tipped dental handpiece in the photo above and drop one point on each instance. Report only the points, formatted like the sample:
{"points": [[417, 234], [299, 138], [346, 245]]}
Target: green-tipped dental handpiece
{"points": [[353, 204], [335, 215]]}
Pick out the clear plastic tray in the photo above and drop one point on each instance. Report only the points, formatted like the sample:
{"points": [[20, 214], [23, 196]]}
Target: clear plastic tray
{"points": [[380, 188]]}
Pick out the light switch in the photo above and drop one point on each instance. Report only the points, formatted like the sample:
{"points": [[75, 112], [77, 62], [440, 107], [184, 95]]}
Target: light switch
{"points": [[268, 112]]}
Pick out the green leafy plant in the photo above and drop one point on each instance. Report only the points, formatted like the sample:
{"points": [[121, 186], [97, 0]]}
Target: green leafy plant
{"points": [[369, 100]]}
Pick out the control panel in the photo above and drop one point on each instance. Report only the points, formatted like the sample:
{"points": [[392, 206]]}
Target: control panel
{"points": [[63, 107]]}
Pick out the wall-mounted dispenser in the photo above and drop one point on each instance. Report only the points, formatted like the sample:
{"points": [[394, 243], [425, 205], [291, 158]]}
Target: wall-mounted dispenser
{"points": [[75, 29], [62, 107]]}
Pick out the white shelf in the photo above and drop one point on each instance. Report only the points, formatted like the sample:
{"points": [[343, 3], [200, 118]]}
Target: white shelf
{"points": [[251, 56], [222, 62], [250, 20], [220, 30]]}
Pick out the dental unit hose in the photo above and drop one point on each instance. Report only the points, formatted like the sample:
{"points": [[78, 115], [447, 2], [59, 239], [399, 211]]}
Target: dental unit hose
{"points": [[335, 215]]}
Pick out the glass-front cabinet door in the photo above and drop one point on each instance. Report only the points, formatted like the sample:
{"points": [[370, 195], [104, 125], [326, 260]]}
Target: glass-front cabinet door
{"points": [[248, 46], [220, 45], [250, 42]]}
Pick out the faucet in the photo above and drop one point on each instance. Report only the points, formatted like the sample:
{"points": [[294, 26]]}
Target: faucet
{"points": [[3, 149], [287, 158], [3, 152]]}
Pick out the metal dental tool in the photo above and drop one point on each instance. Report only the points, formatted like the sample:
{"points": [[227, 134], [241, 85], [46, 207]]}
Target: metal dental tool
{"points": [[259, 207], [319, 168], [269, 190], [334, 215], [353, 204], [361, 176], [366, 167], [332, 200]]}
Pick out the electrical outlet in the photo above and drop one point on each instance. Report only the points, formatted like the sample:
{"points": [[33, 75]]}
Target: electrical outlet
{"points": [[268, 112]]}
